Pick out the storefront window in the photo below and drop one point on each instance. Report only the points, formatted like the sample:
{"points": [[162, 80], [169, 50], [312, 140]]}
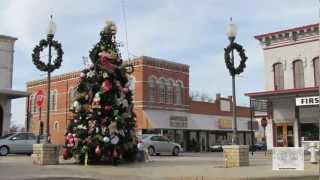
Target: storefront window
{"points": [[310, 131]]}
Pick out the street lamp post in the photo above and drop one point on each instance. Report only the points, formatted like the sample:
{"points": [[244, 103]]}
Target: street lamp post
{"points": [[231, 33], [48, 67]]}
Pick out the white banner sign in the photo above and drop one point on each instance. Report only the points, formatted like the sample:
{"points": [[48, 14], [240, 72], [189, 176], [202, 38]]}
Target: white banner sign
{"points": [[307, 101], [288, 158]]}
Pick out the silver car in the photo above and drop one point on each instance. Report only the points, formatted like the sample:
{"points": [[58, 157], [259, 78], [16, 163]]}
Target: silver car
{"points": [[156, 144], [17, 143]]}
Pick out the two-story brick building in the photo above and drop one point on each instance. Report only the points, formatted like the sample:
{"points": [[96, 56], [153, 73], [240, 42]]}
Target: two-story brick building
{"points": [[161, 103], [291, 65]]}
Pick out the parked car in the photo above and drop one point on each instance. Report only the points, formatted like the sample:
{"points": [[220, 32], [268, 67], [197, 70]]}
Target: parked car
{"points": [[259, 146], [156, 144], [16, 143], [216, 148]]}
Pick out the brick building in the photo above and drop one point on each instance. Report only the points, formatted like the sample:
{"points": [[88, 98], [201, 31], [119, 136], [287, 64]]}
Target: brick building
{"points": [[161, 103]]}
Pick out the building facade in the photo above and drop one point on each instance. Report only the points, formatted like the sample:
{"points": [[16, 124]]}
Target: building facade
{"points": [[161, 103], [6, 74], [291, 65]]}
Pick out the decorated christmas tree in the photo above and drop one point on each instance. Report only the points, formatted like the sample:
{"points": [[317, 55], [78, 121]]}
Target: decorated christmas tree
{"points": [[103, 125]]}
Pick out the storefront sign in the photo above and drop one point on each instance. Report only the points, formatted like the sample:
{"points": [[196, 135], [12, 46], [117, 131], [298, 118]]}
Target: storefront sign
{"points": [[307, 101], [224, 123], [178, 121], [288, 158]]}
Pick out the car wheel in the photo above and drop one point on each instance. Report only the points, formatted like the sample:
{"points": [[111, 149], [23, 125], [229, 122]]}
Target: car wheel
{"points": [[4, 151], [175, 151], [151, 151]]}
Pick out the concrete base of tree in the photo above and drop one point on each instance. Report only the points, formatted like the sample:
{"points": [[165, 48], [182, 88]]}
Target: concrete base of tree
{"points": [[236, 155], [45, 154]]}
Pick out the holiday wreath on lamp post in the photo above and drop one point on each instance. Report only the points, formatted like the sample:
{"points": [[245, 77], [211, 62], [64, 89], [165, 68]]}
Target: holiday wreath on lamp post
{"points": [[235, 70], [36, 55]]}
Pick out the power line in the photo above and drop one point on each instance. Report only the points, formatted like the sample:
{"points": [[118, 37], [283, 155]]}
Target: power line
{"points": [[125, 27]]}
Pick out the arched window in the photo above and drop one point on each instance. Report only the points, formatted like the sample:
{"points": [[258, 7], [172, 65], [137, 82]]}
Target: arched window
{"points": [[71, 96], [278, 76], [316, 71], [162, 91], [169, 87], [56, 126], [298, 74], [32, 100], [53, 100], [152, 89], [178, 93]]}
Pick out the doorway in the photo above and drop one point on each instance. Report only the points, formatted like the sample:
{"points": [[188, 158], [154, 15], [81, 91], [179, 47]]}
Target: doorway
{"points": [[284, 135], [1, 120], [203, 141]]}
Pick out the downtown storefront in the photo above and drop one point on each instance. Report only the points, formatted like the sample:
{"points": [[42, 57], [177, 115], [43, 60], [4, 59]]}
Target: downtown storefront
{"points": [[293, 117], [195, 132]]}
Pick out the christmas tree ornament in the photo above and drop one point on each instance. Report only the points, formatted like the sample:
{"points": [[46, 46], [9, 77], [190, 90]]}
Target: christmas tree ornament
{"points": [[106, 86], [115, 140], [107, 108], [65, 153], [105, 75], [82, 75], [91, 74], [113, 128], [98, 151], [106, 139]]}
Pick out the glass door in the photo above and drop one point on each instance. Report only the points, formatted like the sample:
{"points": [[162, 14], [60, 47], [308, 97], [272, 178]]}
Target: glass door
{"points": [[284, 135]]}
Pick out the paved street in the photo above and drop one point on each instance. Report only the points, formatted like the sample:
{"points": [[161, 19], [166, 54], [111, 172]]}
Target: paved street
{"points": [[189, 166]]}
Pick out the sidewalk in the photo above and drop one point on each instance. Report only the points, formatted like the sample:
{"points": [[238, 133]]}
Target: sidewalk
{"points": [[194, 166]]}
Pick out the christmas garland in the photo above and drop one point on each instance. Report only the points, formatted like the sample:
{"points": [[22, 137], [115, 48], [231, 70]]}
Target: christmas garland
{"points": [[233, 71], [36, 56]]}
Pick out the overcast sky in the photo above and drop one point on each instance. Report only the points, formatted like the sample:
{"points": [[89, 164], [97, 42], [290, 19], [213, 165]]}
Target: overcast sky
{"points": [[184, 31]]}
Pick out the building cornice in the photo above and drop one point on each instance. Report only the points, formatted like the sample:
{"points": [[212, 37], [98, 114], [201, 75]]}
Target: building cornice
{"points": [[289, 36], [61, 77], [156, 62]]}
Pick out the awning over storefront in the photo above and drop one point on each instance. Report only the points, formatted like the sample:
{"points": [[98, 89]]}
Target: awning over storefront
{"points": [[162, 119], [13, 94], [287, 92]]}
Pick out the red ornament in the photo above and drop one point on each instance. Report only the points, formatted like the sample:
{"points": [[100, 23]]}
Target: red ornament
{"points": [[65, 153], [115, 153], [107, 108], [98, 151], [106, 86]]}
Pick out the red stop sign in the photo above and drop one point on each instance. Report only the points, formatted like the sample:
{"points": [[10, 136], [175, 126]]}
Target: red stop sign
{"points": [[264, 122], [39, 98]]}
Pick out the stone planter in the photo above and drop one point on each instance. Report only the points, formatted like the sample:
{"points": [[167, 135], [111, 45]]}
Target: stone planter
{"points": [[45, 154], [236, 155]]}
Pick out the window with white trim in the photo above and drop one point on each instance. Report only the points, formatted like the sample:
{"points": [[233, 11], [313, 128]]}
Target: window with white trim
{"points": [[152, 89], [316, 71], [71, 96], [53, 100], [33, 107], [178, 93], [298, 74], [169, 97], [162, 91], [278, 76]]}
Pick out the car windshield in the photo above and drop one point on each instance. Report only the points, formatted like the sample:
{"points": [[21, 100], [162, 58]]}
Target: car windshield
{"points": [[5, 136]]}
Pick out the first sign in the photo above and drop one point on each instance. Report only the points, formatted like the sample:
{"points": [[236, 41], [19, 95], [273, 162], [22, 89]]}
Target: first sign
{"points": [[307, 101], [39, 98]]}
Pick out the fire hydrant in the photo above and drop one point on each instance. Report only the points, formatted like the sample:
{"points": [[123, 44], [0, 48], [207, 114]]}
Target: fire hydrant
{"points": [[313, 153]]}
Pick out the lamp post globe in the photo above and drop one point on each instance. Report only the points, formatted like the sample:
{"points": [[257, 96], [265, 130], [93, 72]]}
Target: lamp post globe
{"points": [[52, 27], [232, 30]]}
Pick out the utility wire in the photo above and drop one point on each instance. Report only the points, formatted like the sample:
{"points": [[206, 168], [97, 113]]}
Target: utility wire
{"points": [[125, 27]]}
